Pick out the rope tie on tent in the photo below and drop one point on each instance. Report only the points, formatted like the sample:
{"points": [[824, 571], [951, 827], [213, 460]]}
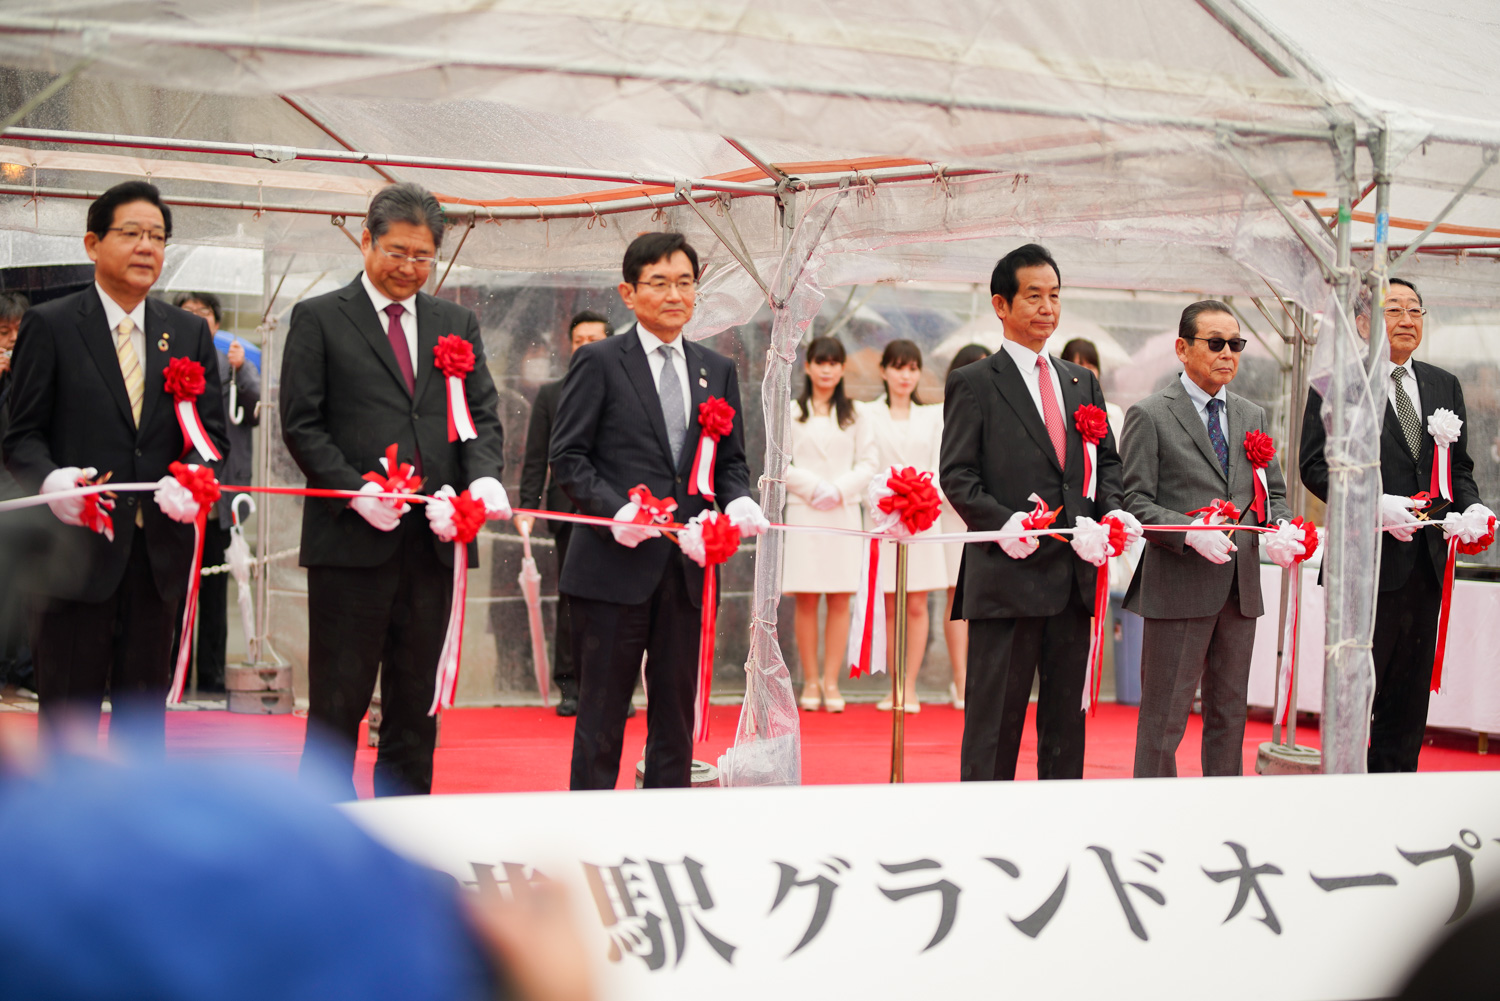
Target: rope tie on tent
{"points": [[940, 178]]}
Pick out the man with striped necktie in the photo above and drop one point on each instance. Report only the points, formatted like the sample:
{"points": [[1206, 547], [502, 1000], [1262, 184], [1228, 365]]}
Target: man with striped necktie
{"points": [[90, 398]]}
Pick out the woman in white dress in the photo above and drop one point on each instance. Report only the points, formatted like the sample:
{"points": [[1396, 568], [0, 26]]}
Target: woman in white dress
{"points": [[906, 432], [824, 483], [957, 632]]}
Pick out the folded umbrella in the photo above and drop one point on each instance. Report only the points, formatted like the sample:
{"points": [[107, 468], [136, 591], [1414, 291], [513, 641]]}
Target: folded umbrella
{"points": [[237, 555], [531, 588]]}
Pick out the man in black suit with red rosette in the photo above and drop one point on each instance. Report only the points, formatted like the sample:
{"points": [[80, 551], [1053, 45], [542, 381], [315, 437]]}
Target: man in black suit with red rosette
{"points": [[89, 398], [359, 375], [1010, 430], [628, 417]]}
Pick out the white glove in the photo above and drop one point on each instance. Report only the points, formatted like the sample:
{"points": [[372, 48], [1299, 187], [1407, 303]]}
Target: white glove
{"points": [[746, 515], [69, 510], [439, 512], [175, 500], [1091, 540], [826, 497], [1133, 529], [1396, 511], [628, 533], [376, 510], [488, 490], [1471, 526], [1285, 544], [1012, 542], [1212, 546]]}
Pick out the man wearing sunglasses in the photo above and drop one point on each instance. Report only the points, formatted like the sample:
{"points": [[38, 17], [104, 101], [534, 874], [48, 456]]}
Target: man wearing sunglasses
{"points": [[359, 375], [1412, 558], [1199, 591]]}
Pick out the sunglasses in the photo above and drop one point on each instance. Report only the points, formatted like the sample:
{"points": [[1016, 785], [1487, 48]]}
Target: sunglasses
{"points": [[1216, 344]]}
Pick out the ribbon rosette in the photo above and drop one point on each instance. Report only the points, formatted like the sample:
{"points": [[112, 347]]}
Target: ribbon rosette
{"points": [[1097, 542], [455, 518], [1469, 533], [902, 503], [95, 514], [188, 495], [185, 383], [1445, 427], [454, 357], [709, 539], [651, 510], [1260, 449], [1093, 424], [715, 420], [1041, 516]]}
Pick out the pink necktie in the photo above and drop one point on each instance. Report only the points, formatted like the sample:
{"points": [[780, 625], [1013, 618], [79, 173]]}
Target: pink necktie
{"points": [[399, 345], [1051, 415]]}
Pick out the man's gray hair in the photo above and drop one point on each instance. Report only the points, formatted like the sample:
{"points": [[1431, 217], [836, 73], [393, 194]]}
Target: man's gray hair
{"points": [[408, 203]]}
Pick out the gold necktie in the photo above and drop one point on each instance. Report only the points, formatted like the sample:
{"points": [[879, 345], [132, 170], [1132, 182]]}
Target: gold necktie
{"points": [[130, 368]]}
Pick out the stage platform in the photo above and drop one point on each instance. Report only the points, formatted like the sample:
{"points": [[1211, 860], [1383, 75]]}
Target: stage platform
{"points": [[526, 748]]}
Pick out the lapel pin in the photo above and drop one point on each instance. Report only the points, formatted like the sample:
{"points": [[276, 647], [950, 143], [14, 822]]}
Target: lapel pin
{"points": [[1075, 380], [703, 377], [161, 345]]}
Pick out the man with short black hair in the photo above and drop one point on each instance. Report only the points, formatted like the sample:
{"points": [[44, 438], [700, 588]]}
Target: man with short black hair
{"points": [[634, 592], [1412, 558], [1186, 447], [90, 398], [359, 375], [538, 485]]}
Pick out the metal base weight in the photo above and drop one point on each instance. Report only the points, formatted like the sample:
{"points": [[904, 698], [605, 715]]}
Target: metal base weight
{"points": [[704, 775], [1288, 759]]}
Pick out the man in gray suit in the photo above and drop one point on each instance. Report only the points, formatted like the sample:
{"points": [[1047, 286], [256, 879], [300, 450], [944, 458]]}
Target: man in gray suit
{"points": [[1199, 592]]}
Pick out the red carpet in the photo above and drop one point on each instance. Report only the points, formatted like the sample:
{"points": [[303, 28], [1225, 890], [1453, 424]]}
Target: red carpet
{"points": [[526, 749]]}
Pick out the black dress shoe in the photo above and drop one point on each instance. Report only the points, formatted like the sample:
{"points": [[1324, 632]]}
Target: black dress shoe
{"points": [[568, 706], [630, 713]]}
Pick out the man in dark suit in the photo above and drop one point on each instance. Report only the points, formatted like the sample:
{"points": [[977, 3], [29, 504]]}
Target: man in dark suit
{"points": [[628, 416], [538, 484], [359, 374], [90, 395], [1412, 558], [1199, 592], [1008, 432], [239, 424]]}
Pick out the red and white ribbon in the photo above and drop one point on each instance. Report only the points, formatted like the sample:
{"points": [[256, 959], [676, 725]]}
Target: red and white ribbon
{"points": [[188, 495], [1293, 620], [454, 357], [715, 420], [185, 383], [1460, 529], [1093, 424], [709, 539], [1260, 449], [455, 518], [1445, 427], [902, 502], [1098, 542], [866, 653]]}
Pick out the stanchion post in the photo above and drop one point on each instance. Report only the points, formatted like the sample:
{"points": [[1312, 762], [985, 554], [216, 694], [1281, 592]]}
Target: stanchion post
{"points": [[898, 675]]}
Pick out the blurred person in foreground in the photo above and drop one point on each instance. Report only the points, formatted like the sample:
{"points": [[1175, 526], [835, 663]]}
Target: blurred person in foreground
{"points": [[1184, 448], [1412, 558], [90, 399], [358, 376], [540, 491], [213, 593]]}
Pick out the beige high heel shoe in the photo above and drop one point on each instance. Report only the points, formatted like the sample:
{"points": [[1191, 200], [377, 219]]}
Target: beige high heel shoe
{"points": [[958, 700], [811, 699]]}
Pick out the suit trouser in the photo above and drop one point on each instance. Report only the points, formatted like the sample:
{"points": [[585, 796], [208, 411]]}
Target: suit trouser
{"points": [[1175, 655], [123, 643], [563, 672], [608, 640], [392, 619], [1405, 644], [1004, 655], [213, 611]]}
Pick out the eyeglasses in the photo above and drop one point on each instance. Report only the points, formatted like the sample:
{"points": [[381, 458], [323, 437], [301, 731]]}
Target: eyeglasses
{"points": [[1216, 344], [418, 262], [1395, 313], [133, 234], [685, 286]]}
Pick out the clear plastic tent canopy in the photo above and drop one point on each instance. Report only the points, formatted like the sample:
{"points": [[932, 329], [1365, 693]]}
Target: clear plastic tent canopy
{"points": [[1176, 145]]}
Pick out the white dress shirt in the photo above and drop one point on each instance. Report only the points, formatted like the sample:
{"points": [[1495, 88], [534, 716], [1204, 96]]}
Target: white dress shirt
{"points": [[1200, 403], [113, 314], [1409, 383], [408, 316], [656, 357], [1025, 360]]}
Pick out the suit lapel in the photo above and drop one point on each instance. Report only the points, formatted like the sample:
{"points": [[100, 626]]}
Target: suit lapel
{"points": [[697, 372], [100, 343], [154, 365], [1072, 394], [1186, 412], [427, 338], [361, 313], [1013, 388], [638, 370], [1429, 393], [1241, 421]]}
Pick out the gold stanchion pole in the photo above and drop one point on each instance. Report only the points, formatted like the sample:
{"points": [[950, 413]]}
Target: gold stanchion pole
{"points": [[898, 675]]}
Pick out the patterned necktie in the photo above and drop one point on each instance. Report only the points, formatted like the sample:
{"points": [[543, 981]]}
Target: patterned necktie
{"points": [[1411, 427], [130, 368], [669, 388], [397, 334], [1051, 413], [1216, 434]]}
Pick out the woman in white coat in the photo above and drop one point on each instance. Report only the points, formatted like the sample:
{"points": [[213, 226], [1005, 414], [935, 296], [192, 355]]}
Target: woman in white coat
{"points": [[906, 432], [824, 483]]}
